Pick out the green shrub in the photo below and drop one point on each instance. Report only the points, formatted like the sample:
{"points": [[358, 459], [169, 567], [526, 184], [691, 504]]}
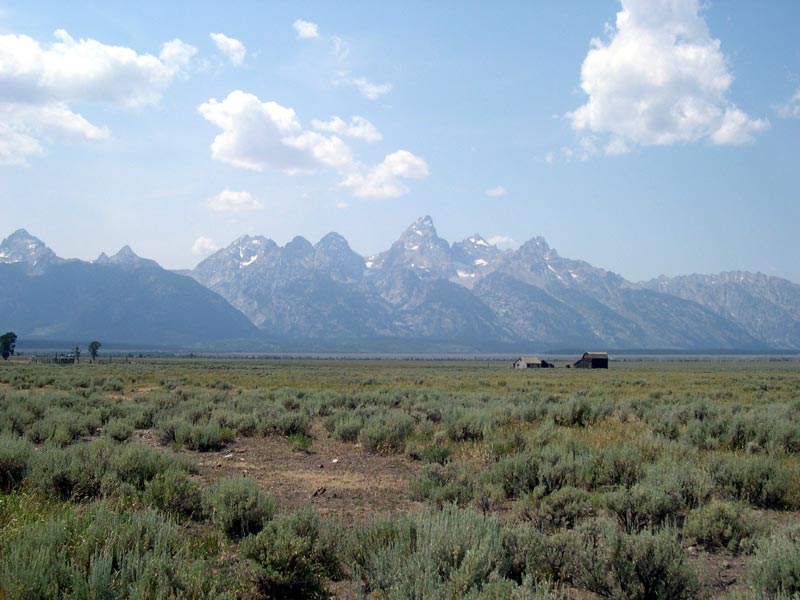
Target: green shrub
{"points": [[99, 553], [118, 430], [505, 589], [348, 428], [436, 454], [562, 509], [15, 456], [758, 480], [237, 506], [386, 432], [296, 554], [642, 507], [683, 480], [174, 493], [529, 552], [203, 437], [641, 566], [518, 474], [439, 554], [444, 484], [52, 473], [99, 468], [136, 465], [468, 428], [775, 569], [300, 442], [721, 524]]}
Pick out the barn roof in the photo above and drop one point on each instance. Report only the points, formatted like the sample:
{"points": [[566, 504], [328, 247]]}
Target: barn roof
{"points": [[595, 354], [530, 359]]}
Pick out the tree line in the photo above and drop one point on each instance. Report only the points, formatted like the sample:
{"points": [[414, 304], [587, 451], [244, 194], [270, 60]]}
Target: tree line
{"points": [[8, 343]]}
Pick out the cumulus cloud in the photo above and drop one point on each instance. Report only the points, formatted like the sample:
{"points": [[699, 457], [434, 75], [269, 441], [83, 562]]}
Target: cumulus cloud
{"points": [[230, 47], [358, 128], [791, 110], [496, 192], [385, 179], [204, 246], [368, 89], [660, 79], [306, 30], [328, 151], [258, 135], [342, 205], [502, 241], [38, 85], [234, 202], [253, 133]]}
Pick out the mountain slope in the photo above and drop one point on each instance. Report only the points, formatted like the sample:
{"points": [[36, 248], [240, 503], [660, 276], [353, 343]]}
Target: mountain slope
{"points": [[767, 307], [471, 293], [298, 291], [121, 299]]}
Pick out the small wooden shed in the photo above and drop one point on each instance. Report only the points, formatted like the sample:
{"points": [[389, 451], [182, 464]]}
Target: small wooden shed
{"points": [[592, 360], [531, 362]]}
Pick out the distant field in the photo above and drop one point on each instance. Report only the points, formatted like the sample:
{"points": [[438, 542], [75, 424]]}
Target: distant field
{"points": [[399, 479]]}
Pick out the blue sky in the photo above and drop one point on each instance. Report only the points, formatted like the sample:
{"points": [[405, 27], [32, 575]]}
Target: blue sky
{"points": [[645, 137]]}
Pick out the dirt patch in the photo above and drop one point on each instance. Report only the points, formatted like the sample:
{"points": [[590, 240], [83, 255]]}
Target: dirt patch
{"points": [[721, 573], [339, 479]]}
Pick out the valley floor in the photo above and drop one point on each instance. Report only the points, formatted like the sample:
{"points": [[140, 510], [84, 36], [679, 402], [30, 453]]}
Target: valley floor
{"points": [[399, 479]]}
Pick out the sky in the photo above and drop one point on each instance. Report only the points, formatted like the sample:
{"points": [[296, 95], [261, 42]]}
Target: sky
{"points": [[647, 137]]}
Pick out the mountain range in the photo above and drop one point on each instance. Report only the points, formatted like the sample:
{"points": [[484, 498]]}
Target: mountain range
{"points": [[422, 294]]}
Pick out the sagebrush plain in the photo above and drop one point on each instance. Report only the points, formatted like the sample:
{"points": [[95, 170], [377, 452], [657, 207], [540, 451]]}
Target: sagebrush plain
{"points": [[399, 479]]}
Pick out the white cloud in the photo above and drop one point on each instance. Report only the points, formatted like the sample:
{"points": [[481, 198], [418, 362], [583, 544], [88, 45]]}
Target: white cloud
{"points": [[232, 201], [230, 47], [342, 205], [253, 133], [204, 246], [502, 241], [661, 79], [23, 127], [85, 71], [38, 85], [384, 180], [328, 151], [792, 108], [15, 147], [306, 30], [497, 192], [371, 91], [358, 128], [257, 135]]}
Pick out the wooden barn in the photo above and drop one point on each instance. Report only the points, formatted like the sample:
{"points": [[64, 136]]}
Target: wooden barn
{"points": [[531, 362], [592, 360]]}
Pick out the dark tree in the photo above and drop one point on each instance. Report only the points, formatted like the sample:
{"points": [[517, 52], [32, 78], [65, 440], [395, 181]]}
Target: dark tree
{"points": [[7, 343], [93, 348]]}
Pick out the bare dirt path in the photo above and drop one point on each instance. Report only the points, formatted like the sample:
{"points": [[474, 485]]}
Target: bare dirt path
{"points": [[339, 479]]}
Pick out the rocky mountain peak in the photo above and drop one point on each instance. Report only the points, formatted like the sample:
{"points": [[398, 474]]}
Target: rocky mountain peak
{"points": [[537, 249], [22, 247], [422, 227], [333, 243], [126, 257], [299, 247]]}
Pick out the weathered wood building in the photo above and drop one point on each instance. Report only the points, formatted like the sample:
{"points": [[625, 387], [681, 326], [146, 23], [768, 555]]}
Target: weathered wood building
{"points": [[592, 360], [531, 362]]}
